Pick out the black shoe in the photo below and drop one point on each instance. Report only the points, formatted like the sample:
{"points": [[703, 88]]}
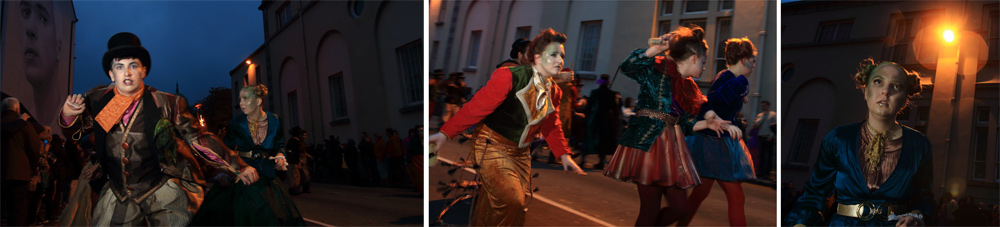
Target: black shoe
{"points": [[599, 166]]}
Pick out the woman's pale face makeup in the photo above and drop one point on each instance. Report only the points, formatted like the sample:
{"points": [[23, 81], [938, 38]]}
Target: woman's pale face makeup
{"points": [[885, 92], [744, 67], [749, 64], [249, 102], [550, 61], [692, 66]]}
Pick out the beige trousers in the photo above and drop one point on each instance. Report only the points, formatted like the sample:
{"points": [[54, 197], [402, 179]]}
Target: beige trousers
{"points": [[168, 206]]}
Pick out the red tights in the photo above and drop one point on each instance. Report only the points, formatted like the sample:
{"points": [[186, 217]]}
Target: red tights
{"points": [[734, 195], [650, 213]]}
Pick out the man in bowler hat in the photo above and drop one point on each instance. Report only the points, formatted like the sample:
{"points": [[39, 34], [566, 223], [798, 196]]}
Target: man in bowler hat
{"points": [[152, 158]]}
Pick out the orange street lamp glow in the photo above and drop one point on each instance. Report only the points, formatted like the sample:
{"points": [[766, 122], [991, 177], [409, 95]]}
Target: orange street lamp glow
{"points": [[248, 61], [949, 36]]}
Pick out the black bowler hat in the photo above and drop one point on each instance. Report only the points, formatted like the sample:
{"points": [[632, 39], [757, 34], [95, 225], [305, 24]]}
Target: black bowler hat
{"points": [[519, 46], [125, 44]]}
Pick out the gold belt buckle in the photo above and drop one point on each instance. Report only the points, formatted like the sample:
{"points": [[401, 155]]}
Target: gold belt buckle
{"points": [[865, 206], [883, 211], [873, 211]]}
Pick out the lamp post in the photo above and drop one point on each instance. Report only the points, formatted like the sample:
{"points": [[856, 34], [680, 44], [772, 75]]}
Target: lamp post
{"points": [[943, 105], [952, 105]]}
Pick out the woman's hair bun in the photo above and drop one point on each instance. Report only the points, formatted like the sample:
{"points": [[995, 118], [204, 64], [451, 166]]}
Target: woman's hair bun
{"points": [[698, 32], [864, 70]]}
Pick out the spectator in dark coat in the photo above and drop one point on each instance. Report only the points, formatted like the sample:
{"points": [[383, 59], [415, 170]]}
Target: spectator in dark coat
{"points": [[366, 151], [351, 157], [20, 149]]}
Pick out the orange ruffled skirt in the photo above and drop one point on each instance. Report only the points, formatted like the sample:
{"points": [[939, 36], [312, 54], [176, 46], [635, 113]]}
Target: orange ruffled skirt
{"points": [[667, 163]]}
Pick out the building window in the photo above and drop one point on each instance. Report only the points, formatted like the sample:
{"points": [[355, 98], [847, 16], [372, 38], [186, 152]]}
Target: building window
{"points": [[270, 98], [722, 33], [834, 30], [787, 71], [256, 74], [357, 6], [590, 36], [802, 141], [985, 149], [903, 33], [664, 27], [337, 96], [980, 142], [994, 34], [434, 48], [473, 56], [284, 14], [902, 39], [667, 7], [293, 108], [916, 117], [523, 32], [725, 5], [411, 60], [695, 6], [700, 22]]}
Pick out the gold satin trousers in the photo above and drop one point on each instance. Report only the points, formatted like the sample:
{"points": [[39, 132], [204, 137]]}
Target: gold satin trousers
{"points": [[504, 177]]}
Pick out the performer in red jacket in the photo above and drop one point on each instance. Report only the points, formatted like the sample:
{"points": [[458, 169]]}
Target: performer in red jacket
{"points": [[514, 106]]}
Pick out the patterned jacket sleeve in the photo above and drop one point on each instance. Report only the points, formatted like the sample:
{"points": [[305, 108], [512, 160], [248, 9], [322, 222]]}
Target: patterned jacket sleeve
{"points": [[209, 145], [482, 104], [637, 66], [820, 185], [77, 127]]}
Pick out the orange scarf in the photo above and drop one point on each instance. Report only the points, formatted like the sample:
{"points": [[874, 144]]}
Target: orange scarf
{"points": [[114, 110]]}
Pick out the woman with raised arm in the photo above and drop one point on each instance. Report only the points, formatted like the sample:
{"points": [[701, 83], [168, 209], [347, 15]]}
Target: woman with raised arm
{"points": [[652, 152]]}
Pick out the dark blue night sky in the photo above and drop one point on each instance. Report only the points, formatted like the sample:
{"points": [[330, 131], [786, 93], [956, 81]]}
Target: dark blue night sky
{"points": [[192, 43]]}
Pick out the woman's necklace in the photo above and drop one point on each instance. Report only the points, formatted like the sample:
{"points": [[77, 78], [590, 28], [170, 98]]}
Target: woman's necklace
{"points": [[876, 147], [253, 128]]}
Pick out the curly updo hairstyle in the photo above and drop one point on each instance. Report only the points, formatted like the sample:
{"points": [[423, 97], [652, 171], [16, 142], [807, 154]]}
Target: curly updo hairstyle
{"points": [[738, 49], [868, 66], [260, 91], [687, 41], [538, 44]]}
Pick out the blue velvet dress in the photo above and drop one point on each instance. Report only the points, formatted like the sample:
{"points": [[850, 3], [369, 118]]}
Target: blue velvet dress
{"points": [[838, 171], [265, 202], [723, 157]]}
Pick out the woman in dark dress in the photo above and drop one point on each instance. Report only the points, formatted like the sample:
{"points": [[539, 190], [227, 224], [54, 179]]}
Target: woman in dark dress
{"points": [[257, 137], [879, 171], [724, 158]]}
